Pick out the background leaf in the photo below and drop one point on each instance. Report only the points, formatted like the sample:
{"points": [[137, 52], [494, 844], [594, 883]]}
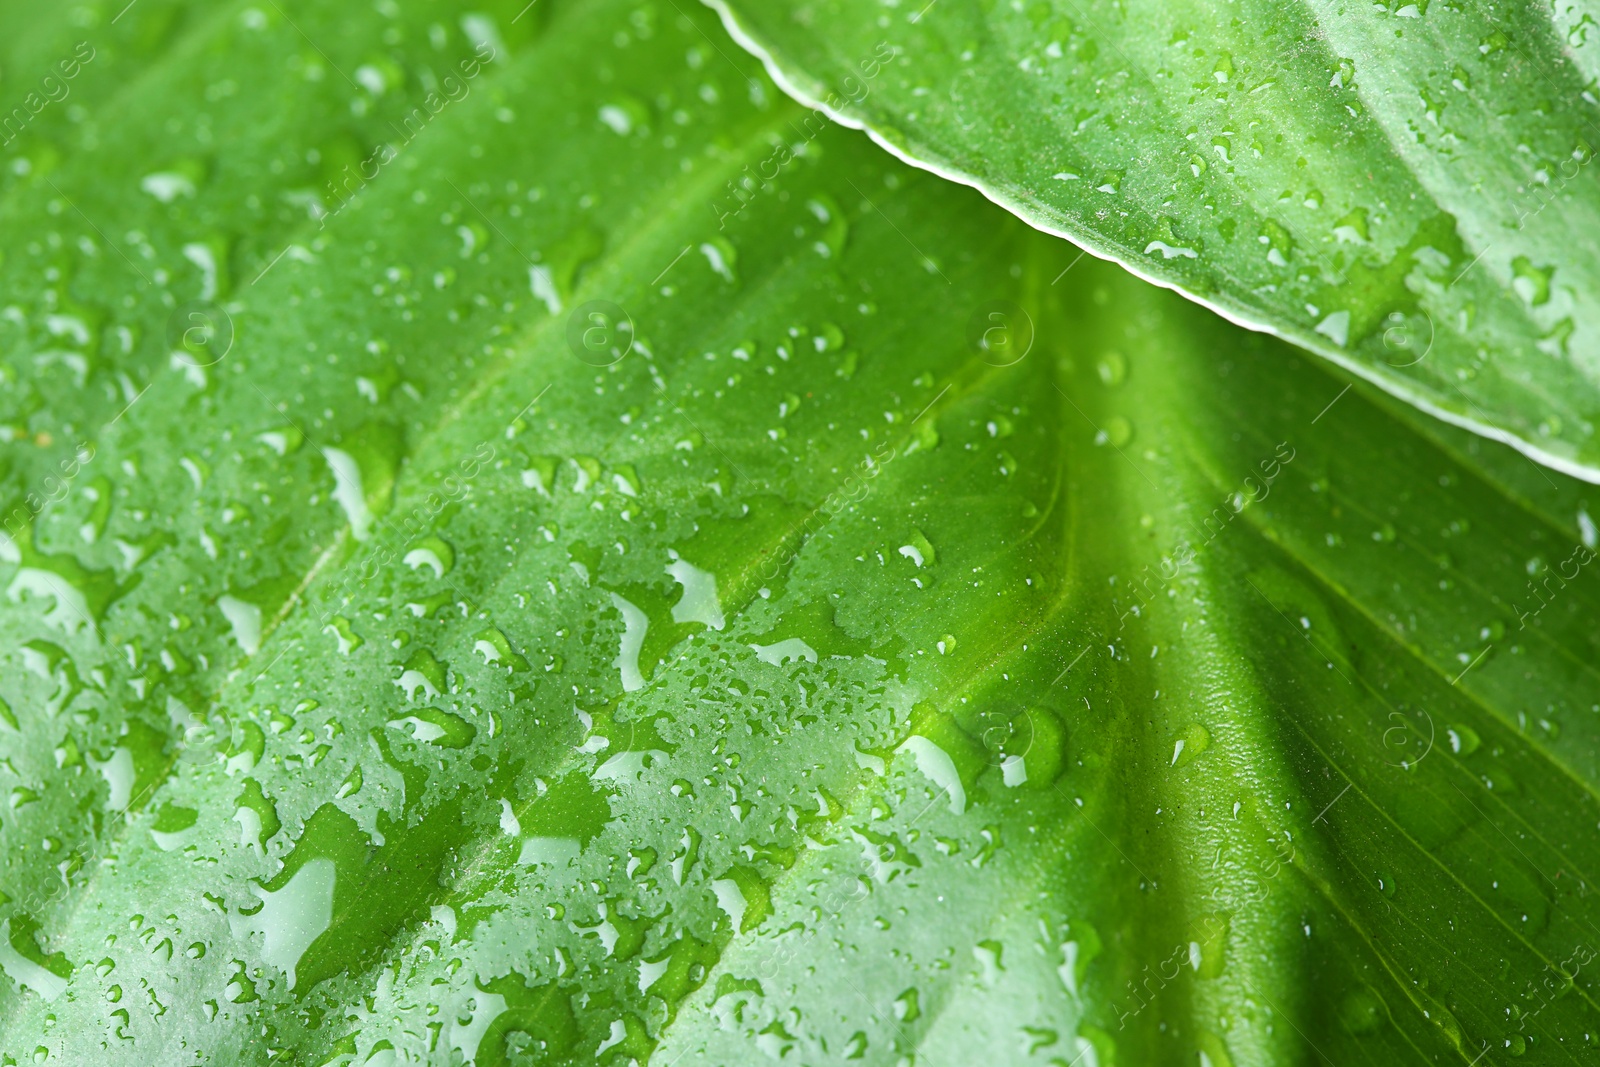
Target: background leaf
{"points": [[881, 658], [1404, 188]]}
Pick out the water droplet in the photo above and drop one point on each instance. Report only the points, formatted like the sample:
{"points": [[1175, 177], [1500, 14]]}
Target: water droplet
{"points": [[556, 851], [466, 1033], [422, 671], [257, 817], [26, 972], [1530, 282], [433, 553], [1113, 368], [348, 491], [721, 257], [1116, 432], [352, 783], [1194, 740], [699, 601], [172, 825], [435, 727], [348, 639], [781, 652], [244, 619], [168, 185], [1352, 228], [635, 625], [937, 766], [495, 648], [118, 771], [291, 917], [1463, 739]]}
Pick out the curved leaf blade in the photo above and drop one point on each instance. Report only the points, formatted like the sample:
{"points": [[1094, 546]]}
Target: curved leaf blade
{"points": [[764, 692], [1403, 189]]}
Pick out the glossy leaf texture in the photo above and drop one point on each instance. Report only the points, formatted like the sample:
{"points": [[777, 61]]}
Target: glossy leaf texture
{"points": [[1403, 188], [559, 630]]}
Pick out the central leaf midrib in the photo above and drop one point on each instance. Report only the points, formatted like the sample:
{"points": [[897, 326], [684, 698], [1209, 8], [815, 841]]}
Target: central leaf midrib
{"points": [[1071, 588]]}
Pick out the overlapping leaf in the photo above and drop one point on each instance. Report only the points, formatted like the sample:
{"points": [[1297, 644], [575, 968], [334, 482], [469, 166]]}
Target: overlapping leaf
{"points": [[1404, 188], [904, 651]]}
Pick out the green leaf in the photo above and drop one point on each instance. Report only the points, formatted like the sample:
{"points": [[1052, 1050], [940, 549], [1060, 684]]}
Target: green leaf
{"points": [[560, 630], [1403, 188]]}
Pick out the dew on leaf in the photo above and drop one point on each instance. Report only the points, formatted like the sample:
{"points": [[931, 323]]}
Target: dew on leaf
{"points": [[1112, 368], [344, 634], [1116, 432], [1531, 282], [435, 727], [431, 552], [699, 602], [244, 619], [422, 672]]}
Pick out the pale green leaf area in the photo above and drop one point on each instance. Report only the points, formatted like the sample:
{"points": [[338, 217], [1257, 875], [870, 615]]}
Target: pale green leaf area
{"points": [[889, 650], [1403, 187]]}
